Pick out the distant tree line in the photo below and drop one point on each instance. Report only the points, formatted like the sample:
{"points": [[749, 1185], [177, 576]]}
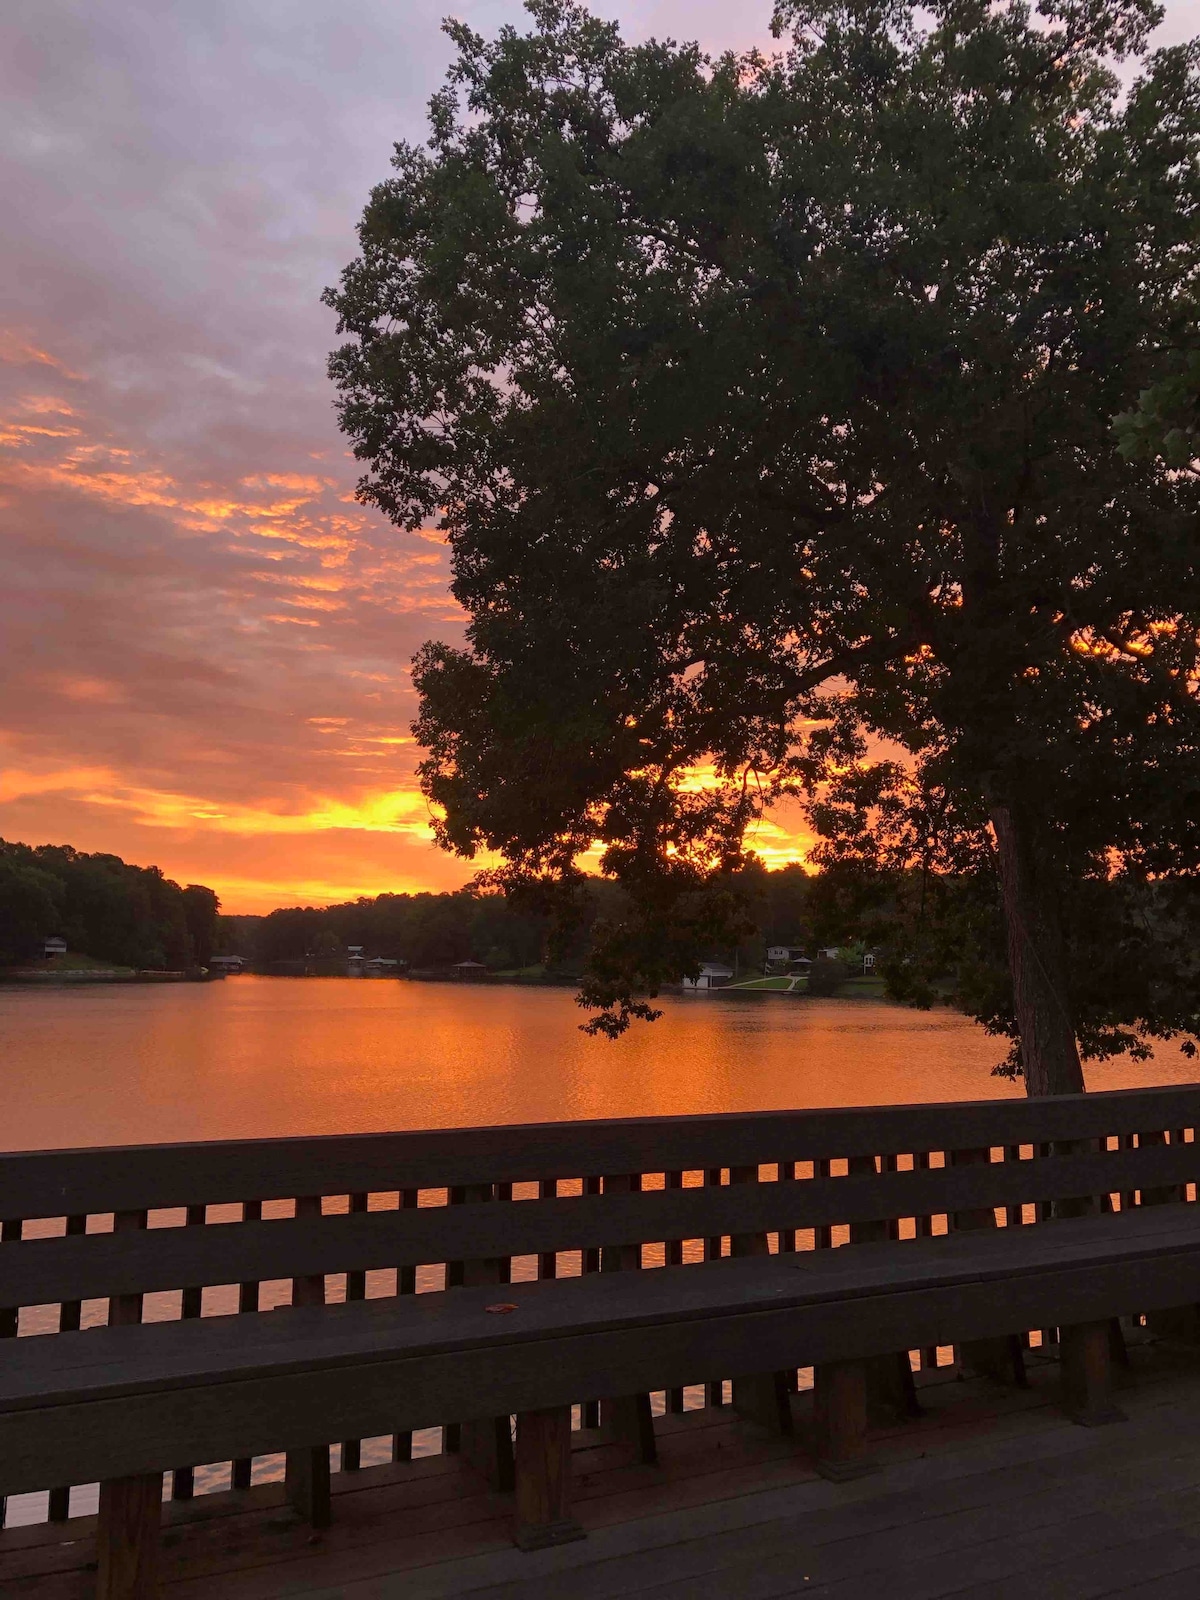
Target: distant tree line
{"points": [[423, 930], [103, 907], [508, 932], [134, 916]]}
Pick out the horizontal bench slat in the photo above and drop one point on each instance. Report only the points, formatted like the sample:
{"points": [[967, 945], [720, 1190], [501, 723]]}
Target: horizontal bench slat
{"points": [[64, 1183], [198, 1391], [46, 1271], [160, 1355]]}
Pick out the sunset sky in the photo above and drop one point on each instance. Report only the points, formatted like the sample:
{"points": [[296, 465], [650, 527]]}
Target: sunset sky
{"points": [[205, 640]]}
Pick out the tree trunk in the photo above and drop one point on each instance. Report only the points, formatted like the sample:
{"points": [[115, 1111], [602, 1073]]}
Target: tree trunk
{"points": [[1049, 1053]]}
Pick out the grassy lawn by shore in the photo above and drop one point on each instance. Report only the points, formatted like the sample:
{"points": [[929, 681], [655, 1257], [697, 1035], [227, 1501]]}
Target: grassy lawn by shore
{"points": [[73, 962], [851, 989]]}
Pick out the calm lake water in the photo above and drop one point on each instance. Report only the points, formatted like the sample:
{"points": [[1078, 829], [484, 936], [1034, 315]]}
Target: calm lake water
{"points": [[254, 1057]]}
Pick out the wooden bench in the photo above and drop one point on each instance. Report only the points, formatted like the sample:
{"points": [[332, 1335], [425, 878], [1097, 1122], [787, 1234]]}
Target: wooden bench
{"points": [[972, 1225]]}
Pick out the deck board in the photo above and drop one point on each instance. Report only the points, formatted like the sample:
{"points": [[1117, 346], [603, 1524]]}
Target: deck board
{"points": [[991, 1494], [1013, 1525]]}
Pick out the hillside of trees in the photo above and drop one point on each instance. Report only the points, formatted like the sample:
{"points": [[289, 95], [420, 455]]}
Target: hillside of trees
{"points": [[434, 930], [133, 916], [103, 907]]}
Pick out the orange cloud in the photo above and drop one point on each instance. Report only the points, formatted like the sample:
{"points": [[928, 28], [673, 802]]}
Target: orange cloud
{"points": [[19, 351], [216, 676]]}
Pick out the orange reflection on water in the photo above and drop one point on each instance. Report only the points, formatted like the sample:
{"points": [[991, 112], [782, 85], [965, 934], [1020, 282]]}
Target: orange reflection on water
{"points": [[256, 1057]]}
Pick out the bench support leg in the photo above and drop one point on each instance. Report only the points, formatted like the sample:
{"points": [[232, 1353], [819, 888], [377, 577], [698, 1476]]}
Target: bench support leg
{"points": [[629, 1420], [127, 1538], [487, 1446], [763, 1399], [306, 1484], [1001, 1359], [543, 1472], [891, 1391], [1087, 1374], [1178, 1323], [840, 1417]]}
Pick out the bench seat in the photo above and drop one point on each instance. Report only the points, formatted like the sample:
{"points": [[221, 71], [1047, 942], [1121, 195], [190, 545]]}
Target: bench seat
{"points": [[133, 1400]]}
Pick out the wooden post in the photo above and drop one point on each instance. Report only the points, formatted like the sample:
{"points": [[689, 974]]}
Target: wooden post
{"points": [[840, 1420], [627, 1418], [406, 1283], [589, 1261], [1015, 1214], [788, 1246], [891, 1392], [127, 1540], [1086, 1351], [183, 1479], [504, 1194], [787, 1236], [1180, 1323], [543, 1475], [823, 1233], [10, 1231], [713, 1249], [69, 1315], [673, 1257], [130, 1511], [759, 1397], [1001, 1357], [356, 1289], [306, 1471], [548, 1260], [243, 1469], [485, 1443]]}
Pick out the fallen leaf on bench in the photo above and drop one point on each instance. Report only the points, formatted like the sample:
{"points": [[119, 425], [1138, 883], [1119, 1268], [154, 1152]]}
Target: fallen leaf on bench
{"points": [[503, 1306]]}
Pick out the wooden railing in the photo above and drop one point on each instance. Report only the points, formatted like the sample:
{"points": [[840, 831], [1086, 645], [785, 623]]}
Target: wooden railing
{"points": [[228, 1228]]}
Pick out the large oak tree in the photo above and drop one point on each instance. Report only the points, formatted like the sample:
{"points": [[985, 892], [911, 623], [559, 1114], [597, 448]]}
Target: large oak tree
{"points": [[767, 405]]}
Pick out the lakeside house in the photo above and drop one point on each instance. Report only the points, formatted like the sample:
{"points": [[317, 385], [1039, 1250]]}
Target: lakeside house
{"points": [[54, 947], [712, 975], [229, 965], [787, 958], [468, 971]]}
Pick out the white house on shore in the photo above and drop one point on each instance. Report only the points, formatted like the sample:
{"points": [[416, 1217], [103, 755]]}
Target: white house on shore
{"points": [[787, 958], [712, 975], [55, 947]]}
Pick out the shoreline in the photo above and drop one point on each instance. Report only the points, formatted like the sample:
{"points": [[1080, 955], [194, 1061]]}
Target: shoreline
{"points": [[41, 980]]}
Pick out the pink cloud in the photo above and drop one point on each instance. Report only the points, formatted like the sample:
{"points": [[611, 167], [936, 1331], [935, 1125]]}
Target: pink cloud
{"points": [[204, 638]]}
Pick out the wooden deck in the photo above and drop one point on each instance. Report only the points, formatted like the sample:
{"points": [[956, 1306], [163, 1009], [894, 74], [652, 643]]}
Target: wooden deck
{"points": [[991, 1494]]}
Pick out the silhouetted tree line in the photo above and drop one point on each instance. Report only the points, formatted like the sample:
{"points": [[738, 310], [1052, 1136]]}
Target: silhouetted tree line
{"points": [[424, 930], [134, 916], [103, 907], [502, 932]]}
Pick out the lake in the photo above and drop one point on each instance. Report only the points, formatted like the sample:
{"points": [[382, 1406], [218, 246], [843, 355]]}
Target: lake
{"points": [[255, 1057]]}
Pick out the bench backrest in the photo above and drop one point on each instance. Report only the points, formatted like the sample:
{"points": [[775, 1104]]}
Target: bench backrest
{"points": [[478, 1200]]}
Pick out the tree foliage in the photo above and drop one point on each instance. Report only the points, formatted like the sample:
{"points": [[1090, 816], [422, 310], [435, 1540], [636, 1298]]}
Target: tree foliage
{"points": [[30, 907], [423, 930], [103, 907], [507, 932], [767, 406]]}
